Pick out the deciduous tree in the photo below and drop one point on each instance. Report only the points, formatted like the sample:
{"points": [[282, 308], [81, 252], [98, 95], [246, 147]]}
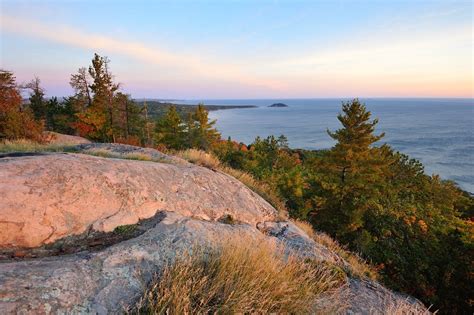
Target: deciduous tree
{"points": [[16, 121]]}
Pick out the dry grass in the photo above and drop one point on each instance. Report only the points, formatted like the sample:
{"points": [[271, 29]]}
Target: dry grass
{"points": [[24, 145], [208, 160], [199, 157], [306, 227], [404, 307], [242, 276], [352, 263], [138, 156]]}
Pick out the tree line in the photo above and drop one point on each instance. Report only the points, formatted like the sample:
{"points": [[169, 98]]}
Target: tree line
{"points": [[414, 228], [98, 110]]}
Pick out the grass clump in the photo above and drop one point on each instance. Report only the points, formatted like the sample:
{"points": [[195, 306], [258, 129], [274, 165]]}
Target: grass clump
{"points": [[208, 160], [25, 145], [404, 307], [137, 156], [352, 263], [199, 157], [241, 276]]}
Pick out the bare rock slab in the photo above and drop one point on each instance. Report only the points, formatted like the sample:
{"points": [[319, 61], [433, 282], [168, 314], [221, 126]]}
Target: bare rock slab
{"points": [[48, 197]]}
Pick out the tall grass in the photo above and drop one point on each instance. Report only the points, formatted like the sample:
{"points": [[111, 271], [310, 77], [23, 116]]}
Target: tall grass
{"points": [[138, 156], [24, 145], [199, 157], [208, 160], [242, 276], [404, 307], [352, 263]]}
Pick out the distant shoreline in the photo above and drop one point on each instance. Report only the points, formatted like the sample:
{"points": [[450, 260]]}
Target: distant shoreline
{"points": [[157, 109]]}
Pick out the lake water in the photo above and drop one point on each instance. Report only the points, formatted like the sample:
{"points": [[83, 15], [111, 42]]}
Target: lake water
{"points": [[438, 132]]}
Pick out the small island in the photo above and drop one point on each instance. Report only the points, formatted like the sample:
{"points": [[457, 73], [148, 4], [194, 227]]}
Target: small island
{"points": [[278, 105]]}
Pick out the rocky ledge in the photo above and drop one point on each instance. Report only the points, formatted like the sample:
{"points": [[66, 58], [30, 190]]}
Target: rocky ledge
{"points": [[58, 206]]}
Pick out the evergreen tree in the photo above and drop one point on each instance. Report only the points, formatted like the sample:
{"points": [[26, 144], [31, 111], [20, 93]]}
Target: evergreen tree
{"points": [[37, 102], [265, 154], [170, 130], [202, 133], [97, 109], [129, 124], [148, 126], [53, 110], [104, 89], [351, 176], [61, 116]]}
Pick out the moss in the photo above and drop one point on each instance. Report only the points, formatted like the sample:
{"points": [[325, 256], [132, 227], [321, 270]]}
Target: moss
{"points": [[125, 229]]}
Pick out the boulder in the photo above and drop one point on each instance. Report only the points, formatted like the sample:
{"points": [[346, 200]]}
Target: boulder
{"points": [[48, 197], [62, 139]]}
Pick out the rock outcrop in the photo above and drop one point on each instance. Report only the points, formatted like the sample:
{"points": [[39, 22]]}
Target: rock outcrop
{"points": [[58, 138], [48, 197], [51, 199]]}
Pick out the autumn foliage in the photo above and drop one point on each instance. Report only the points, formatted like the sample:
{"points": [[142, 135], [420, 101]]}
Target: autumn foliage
{"points": [[414, 228], [15, 121]]}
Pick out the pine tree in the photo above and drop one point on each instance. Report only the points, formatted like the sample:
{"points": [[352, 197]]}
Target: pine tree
{"points": [[352, 175], [129, 124], [53, 110], [95, 103], [61, 116], [170, 130], [202, 133], [104, 89], [37, 102]]}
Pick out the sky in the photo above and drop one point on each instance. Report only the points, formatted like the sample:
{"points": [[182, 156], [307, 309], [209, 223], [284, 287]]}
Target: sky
{"points": [[246, 49]]}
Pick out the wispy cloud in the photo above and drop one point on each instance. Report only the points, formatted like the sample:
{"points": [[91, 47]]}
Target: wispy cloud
{"points": [[416, 60], [193, 65]]}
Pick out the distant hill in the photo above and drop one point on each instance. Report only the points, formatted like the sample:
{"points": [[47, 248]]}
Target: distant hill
{"points": [[157, 109]]}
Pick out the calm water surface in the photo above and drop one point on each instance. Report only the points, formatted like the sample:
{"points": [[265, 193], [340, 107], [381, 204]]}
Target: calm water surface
{"points": [[438, 132]]}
